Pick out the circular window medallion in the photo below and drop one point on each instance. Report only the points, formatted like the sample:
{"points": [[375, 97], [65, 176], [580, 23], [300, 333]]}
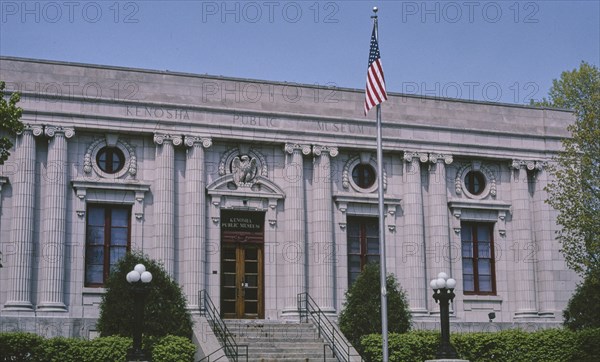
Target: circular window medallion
{"points": [[475, 182], [364, 175], [110, 159]]}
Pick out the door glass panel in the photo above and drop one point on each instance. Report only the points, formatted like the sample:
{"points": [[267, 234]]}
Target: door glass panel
{"points": [[483, 233], [483, 249], [251, 307]]}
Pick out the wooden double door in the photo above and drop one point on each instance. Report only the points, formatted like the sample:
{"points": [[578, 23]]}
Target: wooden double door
{"points": [[242, 273]]}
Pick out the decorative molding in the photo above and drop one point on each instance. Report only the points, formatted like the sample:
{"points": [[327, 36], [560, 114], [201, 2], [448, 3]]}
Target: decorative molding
{"points": [[435, 157], [392, 228], [409, 156], [160, 138], [490, 180], [89, 159], [215, 220], [273, 223], [291, 147], [51, 130], [245, 167], [342, 225], [35, 129], [347, 181], [111, 192], [332, 150], [458, 206], [530, 165], [190, 141]]}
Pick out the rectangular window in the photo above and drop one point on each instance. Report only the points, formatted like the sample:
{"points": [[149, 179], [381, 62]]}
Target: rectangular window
{"points": [[479, 275], [363, 244], [107, 240]]}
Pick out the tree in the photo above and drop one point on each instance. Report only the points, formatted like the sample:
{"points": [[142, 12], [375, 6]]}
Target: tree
{"points": [[583, 310], [361, 313], [10, 123], [574, 190], [165, 312]]}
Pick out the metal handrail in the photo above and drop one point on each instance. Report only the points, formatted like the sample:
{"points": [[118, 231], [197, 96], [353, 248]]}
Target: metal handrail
{"points": [[229, 346], [342, 349]]}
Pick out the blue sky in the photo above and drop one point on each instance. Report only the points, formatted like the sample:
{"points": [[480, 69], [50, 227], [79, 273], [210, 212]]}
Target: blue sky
{"points": [[507, 51]]}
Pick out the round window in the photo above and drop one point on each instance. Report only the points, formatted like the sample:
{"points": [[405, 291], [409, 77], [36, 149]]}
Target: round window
{"points": [[110, 159], [475, 182], [363, 175]]}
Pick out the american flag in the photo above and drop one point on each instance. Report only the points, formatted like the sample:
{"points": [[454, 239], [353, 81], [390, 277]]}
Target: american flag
{"points": [[375, 92]]}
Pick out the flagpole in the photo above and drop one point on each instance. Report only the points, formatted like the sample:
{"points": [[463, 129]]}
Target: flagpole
{"points": [[382, 261]]}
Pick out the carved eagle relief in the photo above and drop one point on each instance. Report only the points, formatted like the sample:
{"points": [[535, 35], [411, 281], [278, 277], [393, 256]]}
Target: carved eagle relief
{"points": [[244, 169]]}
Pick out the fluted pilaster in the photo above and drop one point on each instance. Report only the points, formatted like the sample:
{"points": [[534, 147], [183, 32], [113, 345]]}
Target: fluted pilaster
{"points": [[192, 246], [413, 245], [438, 232], [523, 244], [294, 248], [545, 241], [164, 200], [52, 261], [20, 264], [322, 248]]}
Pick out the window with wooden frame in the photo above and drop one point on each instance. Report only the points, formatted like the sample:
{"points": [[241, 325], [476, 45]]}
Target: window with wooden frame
{"points": [[108, 239], [363, 244], [479, 275]]}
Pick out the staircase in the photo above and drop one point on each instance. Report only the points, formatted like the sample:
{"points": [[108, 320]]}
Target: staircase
{"points": [[269, 341]]}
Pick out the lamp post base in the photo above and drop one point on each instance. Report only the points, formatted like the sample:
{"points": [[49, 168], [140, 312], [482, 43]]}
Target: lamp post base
{"points": [[134, 355]]}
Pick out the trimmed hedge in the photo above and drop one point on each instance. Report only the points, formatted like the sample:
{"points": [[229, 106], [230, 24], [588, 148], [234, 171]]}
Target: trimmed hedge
{"points": [[549, 345], [28, 347]]}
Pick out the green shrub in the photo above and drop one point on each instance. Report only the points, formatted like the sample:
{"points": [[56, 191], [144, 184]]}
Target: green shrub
{"points": [[165, 311], [583, 310], [550, 345], [173, 349], [108, 349], [19, 346], [28, 347], [61, 349], [361, 313]]}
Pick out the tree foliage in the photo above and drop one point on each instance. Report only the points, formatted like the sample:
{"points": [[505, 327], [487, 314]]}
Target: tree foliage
{"points": [[583, 310], [165, 310], [361, 313], [574, 190], [10, 123]]}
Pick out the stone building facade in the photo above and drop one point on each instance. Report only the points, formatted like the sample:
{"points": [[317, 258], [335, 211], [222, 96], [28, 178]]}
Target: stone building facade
{"points": [[257, 191]]}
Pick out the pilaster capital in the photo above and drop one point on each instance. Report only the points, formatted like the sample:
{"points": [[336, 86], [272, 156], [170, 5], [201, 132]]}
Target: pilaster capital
{"points": [[439, 157], [530, 165], [331, 150], [50, 131], [293, 147], [160, 138], [36, 130], [410, 156], [191, 141]]}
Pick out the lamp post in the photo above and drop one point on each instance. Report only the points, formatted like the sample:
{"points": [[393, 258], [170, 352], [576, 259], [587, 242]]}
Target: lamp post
{"points": [[139, 278], [443, 293]]}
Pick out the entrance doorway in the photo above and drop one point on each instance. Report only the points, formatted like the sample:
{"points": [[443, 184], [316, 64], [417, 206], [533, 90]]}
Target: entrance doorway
{"points": [[242, 267]]}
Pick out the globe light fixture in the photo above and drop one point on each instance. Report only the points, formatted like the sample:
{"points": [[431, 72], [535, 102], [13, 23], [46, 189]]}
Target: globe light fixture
{"points": [[139, 279], [443, 293]]}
